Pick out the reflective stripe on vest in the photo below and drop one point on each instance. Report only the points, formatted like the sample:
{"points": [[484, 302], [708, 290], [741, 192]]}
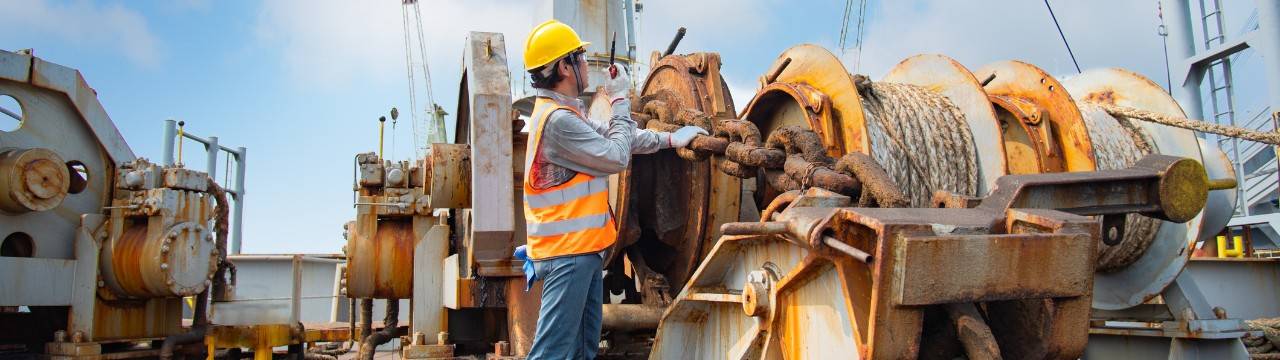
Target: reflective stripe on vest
{"points": [[566, 219]]}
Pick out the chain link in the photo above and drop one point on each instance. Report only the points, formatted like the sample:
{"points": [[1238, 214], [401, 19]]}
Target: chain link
{"points": [[792, 158]]}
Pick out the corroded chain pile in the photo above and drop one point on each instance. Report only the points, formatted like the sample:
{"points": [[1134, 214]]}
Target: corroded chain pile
{"points": [[790, 158], [920, 144]]}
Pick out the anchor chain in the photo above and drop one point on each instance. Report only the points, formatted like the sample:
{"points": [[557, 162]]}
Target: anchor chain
{"points": [[790, 158]]}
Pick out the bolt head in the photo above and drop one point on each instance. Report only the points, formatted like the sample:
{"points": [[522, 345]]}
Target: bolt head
{"points": [[164, 248], [102, 283], [164, 266]]}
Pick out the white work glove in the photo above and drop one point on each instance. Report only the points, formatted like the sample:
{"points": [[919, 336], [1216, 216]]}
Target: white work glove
{"points": [[685, 135], [619, 84]]}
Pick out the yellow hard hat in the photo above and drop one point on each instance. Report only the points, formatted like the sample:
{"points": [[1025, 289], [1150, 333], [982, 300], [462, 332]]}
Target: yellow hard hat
{"points": [[549, 41]]}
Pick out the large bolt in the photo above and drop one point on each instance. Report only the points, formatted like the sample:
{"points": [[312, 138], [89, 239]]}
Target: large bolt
{"points": [[419, 338], [502, 348], [77, 336], [442, 338], [755, 294]]}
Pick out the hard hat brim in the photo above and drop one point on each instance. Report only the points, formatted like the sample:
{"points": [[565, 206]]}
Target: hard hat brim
{"points": [[582, 46]]}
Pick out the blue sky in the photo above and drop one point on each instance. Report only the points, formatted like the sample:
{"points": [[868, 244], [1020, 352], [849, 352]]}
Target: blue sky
{"points": [[300, 83]]}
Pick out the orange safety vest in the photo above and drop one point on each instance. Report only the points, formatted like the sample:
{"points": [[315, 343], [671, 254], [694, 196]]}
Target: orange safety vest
{"points": [[567, 219]]}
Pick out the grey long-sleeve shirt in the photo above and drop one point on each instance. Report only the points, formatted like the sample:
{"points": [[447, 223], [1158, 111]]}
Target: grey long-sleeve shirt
{"points": [[571, 144]]}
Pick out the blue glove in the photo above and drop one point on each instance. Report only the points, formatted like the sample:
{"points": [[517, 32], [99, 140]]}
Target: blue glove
{"points": [[522, 254]]}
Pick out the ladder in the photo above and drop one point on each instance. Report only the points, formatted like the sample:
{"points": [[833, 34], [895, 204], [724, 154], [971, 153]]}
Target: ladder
{"points": [[1221, 96]]}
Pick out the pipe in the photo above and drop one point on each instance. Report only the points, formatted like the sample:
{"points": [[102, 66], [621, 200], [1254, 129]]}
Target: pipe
{"points": [[178, 138], [220, 242], [199, 325], [211, 149], [366, 320], [630, 317], [382, 125], [11, 114], [975, 336], [170, 133], [238, 212], [671, 49], [847, 249], [630, 10], [390, 326], [754, 228]]}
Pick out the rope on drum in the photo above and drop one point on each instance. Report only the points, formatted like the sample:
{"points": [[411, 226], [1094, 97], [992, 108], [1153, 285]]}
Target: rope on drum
{"points": [[1117, 144], [921, 139]]}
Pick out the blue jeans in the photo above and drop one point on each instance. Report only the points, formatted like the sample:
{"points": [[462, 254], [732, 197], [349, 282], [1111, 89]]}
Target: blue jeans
{"points": [[572, 305]]}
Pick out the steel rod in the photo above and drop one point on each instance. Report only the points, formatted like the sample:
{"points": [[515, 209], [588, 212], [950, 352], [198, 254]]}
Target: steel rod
{"points": [[671, 49], [847, 249]]}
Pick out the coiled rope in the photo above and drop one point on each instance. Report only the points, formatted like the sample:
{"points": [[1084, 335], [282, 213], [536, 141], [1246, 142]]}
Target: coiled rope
{"points": [[1117, 144], [920, 138]]}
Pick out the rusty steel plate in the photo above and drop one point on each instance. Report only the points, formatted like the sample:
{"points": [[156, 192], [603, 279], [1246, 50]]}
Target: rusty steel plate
{"points": [[1169, 253], [1023, 81], [945, 76]]}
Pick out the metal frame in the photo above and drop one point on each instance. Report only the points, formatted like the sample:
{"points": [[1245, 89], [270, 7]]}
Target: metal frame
{"points": [[1189, 73], [212, 148]]}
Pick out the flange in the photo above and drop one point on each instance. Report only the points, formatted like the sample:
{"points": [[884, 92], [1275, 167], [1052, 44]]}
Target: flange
{"points": [[32, 180], [1035, 97], [945, 76]]}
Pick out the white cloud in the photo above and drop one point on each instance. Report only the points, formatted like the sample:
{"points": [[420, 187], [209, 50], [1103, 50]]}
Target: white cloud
{"points": [[1102, 34], [335, 43], [83, 23]]}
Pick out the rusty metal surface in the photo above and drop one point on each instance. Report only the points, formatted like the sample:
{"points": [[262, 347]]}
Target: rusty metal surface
{"points": [[820, 81], [135, 319], [1021, 254], [631, 317], [449, 180], [669, 208], [1165, 258], [32, 180], [379, 258], [522, 314], [1067, 146]]}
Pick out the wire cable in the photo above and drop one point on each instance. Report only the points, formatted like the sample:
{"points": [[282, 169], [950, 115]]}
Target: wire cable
{"points": [[1164, 34], [857, 59], [844, 24], [408, 64], [1064, 36]]}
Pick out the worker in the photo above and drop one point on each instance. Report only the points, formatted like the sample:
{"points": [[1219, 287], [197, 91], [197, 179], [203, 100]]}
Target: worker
{"points": [[568, 221]]}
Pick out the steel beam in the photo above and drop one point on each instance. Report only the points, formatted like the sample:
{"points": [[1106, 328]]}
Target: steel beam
{"points": [[1182, 46]]}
